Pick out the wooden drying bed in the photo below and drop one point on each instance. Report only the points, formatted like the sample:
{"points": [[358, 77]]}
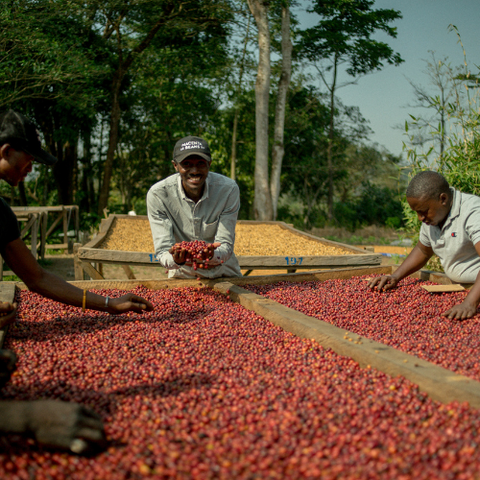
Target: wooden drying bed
{"points": [[439, 383], [63, 214], [90, 257]]}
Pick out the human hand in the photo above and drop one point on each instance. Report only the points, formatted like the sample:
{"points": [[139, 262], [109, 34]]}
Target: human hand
{"points": [[211, 248], [64, 425], [461, 311], [179, 254], [384, 282], [8, 361], [196, 253], [129, 303], [8, 313]]}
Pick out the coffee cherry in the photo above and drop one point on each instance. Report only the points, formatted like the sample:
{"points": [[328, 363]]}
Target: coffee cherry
{"points": [[202, 388]]}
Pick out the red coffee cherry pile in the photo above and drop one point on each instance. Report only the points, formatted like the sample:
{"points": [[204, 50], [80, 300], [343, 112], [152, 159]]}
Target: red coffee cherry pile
{"points": [[408, 317], [198, 252], [203, 389]]}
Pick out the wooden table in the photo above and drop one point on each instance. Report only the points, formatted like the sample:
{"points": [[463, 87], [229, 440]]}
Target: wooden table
{"points": [[61, 213]]}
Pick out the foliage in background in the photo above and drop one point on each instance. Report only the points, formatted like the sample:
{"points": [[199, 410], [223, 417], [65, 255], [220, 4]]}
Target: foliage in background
{"points": [[459, 160], [186, 82]]}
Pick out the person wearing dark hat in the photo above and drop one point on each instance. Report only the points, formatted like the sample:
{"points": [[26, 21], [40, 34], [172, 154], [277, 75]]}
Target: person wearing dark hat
{"points": [[451, 230], [194, 204], [60, 424]]}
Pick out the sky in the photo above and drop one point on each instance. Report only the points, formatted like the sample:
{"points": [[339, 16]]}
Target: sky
{"points": [[384, 97]]}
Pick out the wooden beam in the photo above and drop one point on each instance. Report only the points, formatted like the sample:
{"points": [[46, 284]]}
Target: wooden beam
{"points": [[440, 384], [89, 270]]}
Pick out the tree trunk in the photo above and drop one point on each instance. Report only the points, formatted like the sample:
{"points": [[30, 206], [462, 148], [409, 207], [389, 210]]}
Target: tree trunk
{"points": [[263, 202], [22, 194], [115, 114], [330, 141], [233, 158], [278, 149]]}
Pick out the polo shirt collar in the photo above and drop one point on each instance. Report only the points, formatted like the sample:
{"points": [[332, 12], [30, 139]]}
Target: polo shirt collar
{"points": [[455, 209], [206, 192]]}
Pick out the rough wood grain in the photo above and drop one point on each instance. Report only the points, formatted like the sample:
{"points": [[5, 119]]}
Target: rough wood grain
{"points": [[439, 383]]}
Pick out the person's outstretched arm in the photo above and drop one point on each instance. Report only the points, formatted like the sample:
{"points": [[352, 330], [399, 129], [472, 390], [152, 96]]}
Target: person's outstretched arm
{"points": [[39, 280], [468, 308], [415, 260]]}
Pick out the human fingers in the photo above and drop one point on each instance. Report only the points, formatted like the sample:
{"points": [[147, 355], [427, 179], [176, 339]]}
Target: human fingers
{"points": [[8, 358], [389, 283], [373, 282], [7, 307], [88, 439], [8, 317], [379, 282], [140, 302]]}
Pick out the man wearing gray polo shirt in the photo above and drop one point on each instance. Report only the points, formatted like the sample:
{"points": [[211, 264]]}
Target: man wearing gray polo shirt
{"points": [[194, 204], [451, 230]]}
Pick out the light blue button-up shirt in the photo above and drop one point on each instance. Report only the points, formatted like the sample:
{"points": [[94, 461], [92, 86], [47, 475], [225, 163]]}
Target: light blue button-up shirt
{"points": [[176, 218]]}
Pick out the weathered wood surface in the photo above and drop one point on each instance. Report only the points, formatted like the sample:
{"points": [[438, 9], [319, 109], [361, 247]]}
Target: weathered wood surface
{"points": [[439, 383], [443, 288], [343, 273], [90, 254], [64, 214], [309, 261], [93, 253]]}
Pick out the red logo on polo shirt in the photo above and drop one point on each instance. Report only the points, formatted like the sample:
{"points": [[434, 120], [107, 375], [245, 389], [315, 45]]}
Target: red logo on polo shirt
{"points": [[454, 234]]}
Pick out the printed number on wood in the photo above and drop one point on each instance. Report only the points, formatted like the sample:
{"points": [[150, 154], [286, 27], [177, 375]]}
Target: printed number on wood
{"points": [[294, 260]]}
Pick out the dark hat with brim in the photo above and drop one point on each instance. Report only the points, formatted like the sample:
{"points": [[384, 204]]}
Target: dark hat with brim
{"points": [[189, 146], [21, 133]]}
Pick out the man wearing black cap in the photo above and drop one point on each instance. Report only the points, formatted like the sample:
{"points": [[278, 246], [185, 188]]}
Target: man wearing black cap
{"points": [[194, 204], [59, 424]]}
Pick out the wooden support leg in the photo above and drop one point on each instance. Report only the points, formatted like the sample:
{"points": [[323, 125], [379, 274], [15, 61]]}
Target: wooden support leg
{"points": [[247, 273], [34, 236], [90, 270], [129, 272], [76, 264]]}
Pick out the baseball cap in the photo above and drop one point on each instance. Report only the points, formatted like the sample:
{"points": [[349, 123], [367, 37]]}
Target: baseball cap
{"points": [[21, 132], [191, 145]]}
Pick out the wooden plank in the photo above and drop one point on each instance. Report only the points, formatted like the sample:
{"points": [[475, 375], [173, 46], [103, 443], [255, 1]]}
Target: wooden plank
{"points": [[439, 383], [54, 224], [309, 261], [104, 229], [31, 219], [128, 271], [89, 270], [443, 288], [34, 235], [340, 273], [245, 262], [116, 256], [129, 284], [37, 209], [79, 272]]}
